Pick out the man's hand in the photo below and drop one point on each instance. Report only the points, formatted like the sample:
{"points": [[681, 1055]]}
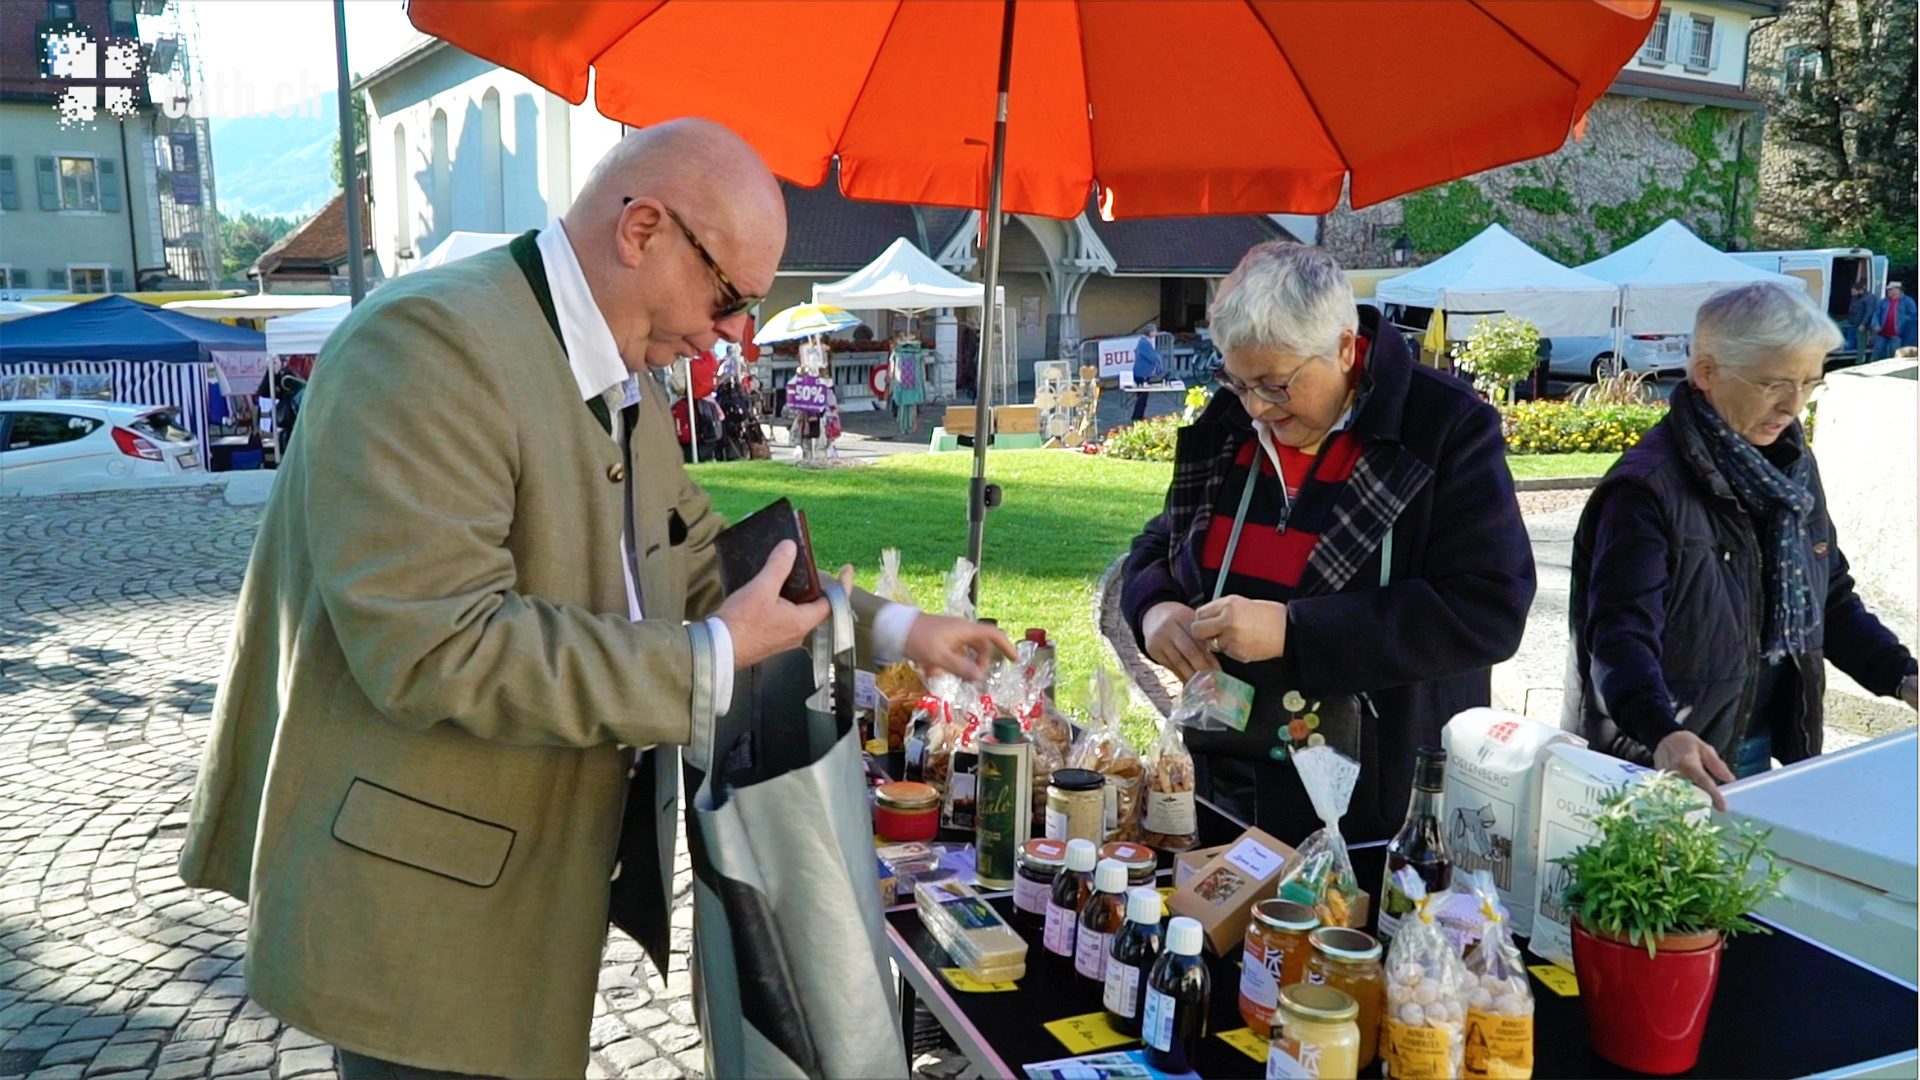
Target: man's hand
{"points": [[760, 622], [1689, 755], [1168, 629], [960, 646], [1247, 630]]}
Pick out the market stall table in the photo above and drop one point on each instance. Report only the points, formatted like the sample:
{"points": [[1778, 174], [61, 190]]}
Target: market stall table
{"points": [[1785, 1006]]}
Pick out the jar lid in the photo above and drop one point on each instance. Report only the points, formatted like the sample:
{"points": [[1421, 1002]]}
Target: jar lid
{"points": [[1341, 943], [907, 795], [1077, 780], [1133, 856], [1286, 915], [1051, 854], [1309, 1001]]}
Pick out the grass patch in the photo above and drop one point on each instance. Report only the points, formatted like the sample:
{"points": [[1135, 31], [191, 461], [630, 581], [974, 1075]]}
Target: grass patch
{"points": [[1066, 516], [1558, 466]]}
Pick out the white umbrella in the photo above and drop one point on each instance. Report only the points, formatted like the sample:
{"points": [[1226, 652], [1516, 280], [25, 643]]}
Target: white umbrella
{"points": [[804, 320]]}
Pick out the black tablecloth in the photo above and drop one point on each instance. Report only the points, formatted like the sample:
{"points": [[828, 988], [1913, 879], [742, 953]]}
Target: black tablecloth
{"points": [[1784, 1007]]}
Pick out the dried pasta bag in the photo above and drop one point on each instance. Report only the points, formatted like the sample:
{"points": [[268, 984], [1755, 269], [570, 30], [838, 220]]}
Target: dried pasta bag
{"points": [[1169, 819], [1103, 748], [1499, 1036], [1427, 987], [1321, 874]]}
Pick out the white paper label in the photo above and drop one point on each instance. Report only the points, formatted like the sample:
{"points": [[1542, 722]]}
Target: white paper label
{"points": [[1258, 860], [1284, 1066], [1110, 808], [1171, 813], [866, 692], [1122, 992], [1028, 895], [1058, 935], [1090, 953], [1056, 824], [1156, 1021], [1258, 983]]}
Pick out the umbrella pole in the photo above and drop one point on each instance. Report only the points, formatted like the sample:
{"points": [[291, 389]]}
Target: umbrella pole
{"points": [[989, 312]]}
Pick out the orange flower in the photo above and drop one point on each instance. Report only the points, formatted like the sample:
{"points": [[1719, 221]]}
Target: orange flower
{"points": [[1297, 730]]}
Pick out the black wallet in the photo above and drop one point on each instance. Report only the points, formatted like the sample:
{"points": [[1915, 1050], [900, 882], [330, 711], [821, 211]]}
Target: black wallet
{"points": [[744, 549]]}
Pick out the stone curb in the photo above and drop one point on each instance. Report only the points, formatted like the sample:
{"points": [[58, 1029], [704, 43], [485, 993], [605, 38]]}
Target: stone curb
{"points": [[1558, 483]]}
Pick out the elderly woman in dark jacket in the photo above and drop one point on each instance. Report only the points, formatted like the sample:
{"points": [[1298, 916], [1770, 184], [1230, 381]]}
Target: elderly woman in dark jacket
{"points": [[1380, 568], [1707, 583]]}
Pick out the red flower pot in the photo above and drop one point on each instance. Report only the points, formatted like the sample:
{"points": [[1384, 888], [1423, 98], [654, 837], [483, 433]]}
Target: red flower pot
{"points": [[1647, 1013]]}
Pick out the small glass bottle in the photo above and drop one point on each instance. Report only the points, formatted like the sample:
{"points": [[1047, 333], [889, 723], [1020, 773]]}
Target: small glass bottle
{"points": [[1072, 886], [1315, 1034], [1420, 843], [1130, 961], [1105, 913], [1039, 860], [1173, 1018]]}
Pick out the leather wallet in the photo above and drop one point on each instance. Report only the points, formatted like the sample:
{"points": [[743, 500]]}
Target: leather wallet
{"points": [[744, 549]]}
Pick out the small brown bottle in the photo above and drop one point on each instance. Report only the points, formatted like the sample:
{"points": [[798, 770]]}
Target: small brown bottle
{"points": [[1104, 915], [1072, 887]]}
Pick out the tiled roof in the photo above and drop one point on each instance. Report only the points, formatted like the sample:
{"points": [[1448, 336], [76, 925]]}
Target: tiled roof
{"points": [[318, 243], [1183, 245], [827, 231], [1631, 83]]}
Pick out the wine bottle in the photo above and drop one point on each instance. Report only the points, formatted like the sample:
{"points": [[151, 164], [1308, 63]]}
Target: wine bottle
{"points": [[1420, 843]]}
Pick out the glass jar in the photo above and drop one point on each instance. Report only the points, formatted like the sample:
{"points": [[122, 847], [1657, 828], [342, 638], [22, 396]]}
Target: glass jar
{"points": [[1140, 860], [1349, 961], [1035, 866], [1076, 803], [905, 810], [1316, 1035], [1275, 957]]}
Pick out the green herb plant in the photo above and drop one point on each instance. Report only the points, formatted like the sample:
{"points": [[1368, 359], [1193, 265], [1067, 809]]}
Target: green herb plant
{"points": [[1659, 866]]}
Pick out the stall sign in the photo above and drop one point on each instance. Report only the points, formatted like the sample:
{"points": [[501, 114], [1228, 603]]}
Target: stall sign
{"points": [[1116, 356], [809, 394]]}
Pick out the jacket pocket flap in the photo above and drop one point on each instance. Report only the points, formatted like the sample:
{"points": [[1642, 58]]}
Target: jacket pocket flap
{"points": [[383, 822]]}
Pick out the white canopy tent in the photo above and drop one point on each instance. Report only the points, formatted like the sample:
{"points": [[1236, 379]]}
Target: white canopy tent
{"points": [[458, 245], [259, 306], [904, 279], [1496, 272], [303, 334], [1667, 274]]}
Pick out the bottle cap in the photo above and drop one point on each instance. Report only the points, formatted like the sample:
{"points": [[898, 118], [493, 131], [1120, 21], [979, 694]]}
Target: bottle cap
{"points": [[1184, 936], [1037, 636], [1313, 1002], [1007, 730], [1077, 780], [1429, 768], [1110, 876], [1143, 906], [1080, 854]]}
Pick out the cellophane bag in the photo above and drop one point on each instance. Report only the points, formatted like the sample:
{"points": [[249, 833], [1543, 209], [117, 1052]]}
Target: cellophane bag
{"points": [[889, 586], [933, 730], [1019, 689], [1427, 987], [959, 589], [1169, 820], [1103, 748], [1499, 1035], [1321, 873]]}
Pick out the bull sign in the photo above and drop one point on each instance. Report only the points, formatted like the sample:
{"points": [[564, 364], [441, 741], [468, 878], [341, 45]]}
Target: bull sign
{"points": [[1116, 356]]}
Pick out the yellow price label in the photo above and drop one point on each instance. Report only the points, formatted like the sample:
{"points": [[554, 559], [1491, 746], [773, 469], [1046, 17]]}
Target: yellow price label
{"points": [[1557, 979], [967, 984], [1085, 1034], [1245, 1041], [1166, 891]]}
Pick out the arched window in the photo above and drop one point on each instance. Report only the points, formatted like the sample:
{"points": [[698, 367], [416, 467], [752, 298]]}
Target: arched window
{"points": [[442, 177], [402, 189], [492, 185]]}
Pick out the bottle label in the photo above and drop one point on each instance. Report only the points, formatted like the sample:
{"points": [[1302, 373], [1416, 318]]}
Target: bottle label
{"points": [[1394, 906], [960, 797], [1498, 1046], [1061, 924], [1057, 825], [916, 754], [1156, 1021], [1029, 895], [1419, 1051], [1260, 978], [1288, 1060], [1002, 814], [1121, 995], [1090, 953], [1109, 808], [971, 913], [1171, 813]]}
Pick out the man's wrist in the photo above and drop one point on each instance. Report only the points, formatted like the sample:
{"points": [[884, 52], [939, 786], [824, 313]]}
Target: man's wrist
{"points": [[890, 629], [721, 641]]}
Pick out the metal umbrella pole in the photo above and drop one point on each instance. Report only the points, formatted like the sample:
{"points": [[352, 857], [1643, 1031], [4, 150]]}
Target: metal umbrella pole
{"points": [[990, 315], [349, 161]]}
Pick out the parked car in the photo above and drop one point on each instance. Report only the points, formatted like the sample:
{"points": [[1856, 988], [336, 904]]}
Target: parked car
{"points": [[45, 443], [1653, 355]]}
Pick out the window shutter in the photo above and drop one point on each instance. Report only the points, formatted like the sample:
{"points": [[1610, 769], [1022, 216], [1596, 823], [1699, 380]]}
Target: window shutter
{"points": [[9, 185], [19, 279], [57, 278], [1713, 51], [116, 280], [49, 176], [109, 178]]}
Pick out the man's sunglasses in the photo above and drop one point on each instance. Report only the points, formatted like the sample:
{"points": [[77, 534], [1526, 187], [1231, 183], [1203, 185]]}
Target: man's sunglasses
{"points": [[732, 300]]}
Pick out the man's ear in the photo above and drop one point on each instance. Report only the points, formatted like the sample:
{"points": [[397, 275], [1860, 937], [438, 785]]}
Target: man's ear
{"points": [[638, 227]]}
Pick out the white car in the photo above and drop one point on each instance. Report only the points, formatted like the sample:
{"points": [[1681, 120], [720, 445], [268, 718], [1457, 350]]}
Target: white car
{"points": [[77, 444], [1652, 355]]}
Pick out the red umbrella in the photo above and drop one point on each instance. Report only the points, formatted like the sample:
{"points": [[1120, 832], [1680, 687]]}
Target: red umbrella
{"points": [[1171, 108]]}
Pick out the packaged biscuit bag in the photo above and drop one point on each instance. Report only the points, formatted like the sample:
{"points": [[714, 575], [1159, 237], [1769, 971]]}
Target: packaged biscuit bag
{"points": [[1423, 1037], [1321, 874], [1169, 819], [1103, 748], [1499, 1038]]}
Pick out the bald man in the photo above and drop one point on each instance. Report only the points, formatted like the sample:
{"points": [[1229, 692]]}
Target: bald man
{"points": [[481, 580]]}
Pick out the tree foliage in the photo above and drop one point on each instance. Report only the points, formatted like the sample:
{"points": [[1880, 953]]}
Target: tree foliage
{"points": [[1841, 90], [359, 135], [243, 238]]}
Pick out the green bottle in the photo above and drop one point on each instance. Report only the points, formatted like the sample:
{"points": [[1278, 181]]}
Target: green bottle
{"points": [[1003, 813]]}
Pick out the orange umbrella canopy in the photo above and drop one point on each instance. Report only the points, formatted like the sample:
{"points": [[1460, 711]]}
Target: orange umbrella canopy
{"points": [[1173, 108]]}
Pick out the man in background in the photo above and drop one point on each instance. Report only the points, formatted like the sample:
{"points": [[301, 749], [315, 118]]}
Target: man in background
{"points": [[1893, 322]]}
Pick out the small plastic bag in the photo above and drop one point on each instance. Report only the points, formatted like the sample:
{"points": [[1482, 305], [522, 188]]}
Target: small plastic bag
{"points": [[1321, 873], [959, 590], [889, 586], [1499, 1034], [1103, 748], [1168, 818], [1427, 986], [1214, 701]]}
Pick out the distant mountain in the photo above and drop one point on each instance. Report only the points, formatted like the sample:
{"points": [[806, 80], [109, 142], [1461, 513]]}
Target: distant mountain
{"points": [[276, 166]]}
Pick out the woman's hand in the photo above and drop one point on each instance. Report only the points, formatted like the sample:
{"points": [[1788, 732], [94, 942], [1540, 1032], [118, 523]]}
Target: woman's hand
{"points": [[1689, 755], [1168, 629], [1247, 630]]}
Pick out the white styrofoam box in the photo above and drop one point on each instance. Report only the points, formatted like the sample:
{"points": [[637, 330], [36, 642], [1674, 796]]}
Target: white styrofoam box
{"points": [[1493, 800], [1845, 827], [1574, 780]]}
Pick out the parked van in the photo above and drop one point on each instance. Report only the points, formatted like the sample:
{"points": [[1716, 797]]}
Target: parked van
{"points": [[1828, 272]]}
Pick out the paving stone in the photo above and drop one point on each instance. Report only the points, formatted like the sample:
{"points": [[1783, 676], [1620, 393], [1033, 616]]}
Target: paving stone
{"points": [[628, 1054], [607, 1029], [295, 1039], [657, 1069], [67, 1053], [251, 1031], [34, 1038], [181, 1070], [57, 1072], [674, 1036], [156, 1016], [645, 1019], [177, 993], [682, 1011], [305, 1060], [241, 1059], [178, 1049], [96, 1027], [125, 1056], [210, 1028]]}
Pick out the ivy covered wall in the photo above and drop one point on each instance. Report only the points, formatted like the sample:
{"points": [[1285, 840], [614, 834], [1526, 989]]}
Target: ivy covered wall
{"points": [[1642, 161]]}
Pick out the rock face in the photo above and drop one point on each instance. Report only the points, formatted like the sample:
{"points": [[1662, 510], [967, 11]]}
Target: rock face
{"points": [[1639, 162]]}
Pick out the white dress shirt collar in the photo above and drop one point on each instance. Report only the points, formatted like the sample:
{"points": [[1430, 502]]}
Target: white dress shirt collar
{"points": [[591, 350]]}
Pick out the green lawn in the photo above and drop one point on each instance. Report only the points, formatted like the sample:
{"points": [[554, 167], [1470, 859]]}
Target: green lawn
{"points": [[1555, 466]]}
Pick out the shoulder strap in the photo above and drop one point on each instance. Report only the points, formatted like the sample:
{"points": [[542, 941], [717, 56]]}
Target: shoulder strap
{"points": [[1239, 519]]}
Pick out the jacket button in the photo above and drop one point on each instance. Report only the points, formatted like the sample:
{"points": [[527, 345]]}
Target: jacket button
{"points": [[616, 472], [616, 872]]}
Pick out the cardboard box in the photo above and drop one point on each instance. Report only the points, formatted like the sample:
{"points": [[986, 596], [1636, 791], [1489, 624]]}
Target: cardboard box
{"points": [[959, 420], [1574, 780], [1016, 420], [1221, 894], [1187, 863], [1495, 763]]}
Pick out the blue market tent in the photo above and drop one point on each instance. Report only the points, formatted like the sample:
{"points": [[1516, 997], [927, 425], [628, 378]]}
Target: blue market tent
{"points": [[123, 350]]}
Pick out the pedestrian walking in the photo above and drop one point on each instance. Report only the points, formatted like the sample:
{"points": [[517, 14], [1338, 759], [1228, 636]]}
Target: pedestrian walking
{"points": [[1894, 324]]}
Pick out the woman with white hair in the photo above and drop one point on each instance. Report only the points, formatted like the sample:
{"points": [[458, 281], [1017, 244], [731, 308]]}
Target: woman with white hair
{"points": [[1341, 533], [1707, 583]]}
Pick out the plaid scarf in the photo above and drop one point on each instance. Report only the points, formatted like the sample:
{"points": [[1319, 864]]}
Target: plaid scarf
{"points": [[1781, 502]]}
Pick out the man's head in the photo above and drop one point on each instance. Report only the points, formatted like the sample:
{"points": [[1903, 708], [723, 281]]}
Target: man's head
{"points": [[1859, 288], [1895, 290], [675, 227]]}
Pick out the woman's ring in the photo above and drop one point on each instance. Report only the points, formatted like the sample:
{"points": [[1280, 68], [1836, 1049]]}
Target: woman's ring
{"points": [[1213, 644]]}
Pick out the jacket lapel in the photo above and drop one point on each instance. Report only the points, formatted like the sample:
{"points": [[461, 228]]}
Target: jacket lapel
{"points": [[1384, 481], [525, 250]]}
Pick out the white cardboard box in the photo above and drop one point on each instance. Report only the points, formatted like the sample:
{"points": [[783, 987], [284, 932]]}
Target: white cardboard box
{"points": [[1574, 780], [1494, 765]]}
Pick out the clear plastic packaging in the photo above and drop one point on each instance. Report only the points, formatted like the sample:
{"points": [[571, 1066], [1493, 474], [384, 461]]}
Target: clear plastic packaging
{"points": [[1169, 819], [1103, 748], [971, 931], [959, 589], [1499, 1035], [1427, 991], [889, 586], [1321, 873]]}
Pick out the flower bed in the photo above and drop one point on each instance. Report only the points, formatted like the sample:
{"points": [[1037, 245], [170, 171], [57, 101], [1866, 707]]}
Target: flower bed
{"points": [[1148, 440], [1558, 427]]}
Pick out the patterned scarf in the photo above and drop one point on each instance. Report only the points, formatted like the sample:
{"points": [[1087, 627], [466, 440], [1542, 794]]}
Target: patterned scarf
{"points": [[1782, 501]]}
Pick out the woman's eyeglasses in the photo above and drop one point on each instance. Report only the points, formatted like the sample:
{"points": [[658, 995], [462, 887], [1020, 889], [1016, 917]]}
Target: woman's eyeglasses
{"points": [[1272, 395], [732, 300], [1783, 389]]}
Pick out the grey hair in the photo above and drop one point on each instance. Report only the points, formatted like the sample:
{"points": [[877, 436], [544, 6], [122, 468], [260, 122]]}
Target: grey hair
{"points": [[1284, 296], [1743, 326]]}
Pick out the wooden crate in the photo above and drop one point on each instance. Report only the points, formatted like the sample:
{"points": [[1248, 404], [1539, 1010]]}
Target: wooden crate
{"points": [[959, 420], [1016, 420]]}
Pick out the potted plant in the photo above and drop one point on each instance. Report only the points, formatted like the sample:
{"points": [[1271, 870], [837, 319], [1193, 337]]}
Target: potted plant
{"points": [[1653, 896], [1500, 351]]}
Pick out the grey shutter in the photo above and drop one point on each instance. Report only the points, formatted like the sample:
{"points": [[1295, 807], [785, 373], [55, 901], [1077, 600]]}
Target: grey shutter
{"points": [[109, 178], [20, 279], [49, 176], [9, 185], [116, 280], [57, 278]]}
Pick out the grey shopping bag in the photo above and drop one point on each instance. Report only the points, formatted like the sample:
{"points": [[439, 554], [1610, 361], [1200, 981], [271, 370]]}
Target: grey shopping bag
{"points": [[790, 968]]}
